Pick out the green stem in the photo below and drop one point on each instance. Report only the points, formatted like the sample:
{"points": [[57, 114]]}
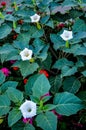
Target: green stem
{"points": [[38, 25], [67, 44]]}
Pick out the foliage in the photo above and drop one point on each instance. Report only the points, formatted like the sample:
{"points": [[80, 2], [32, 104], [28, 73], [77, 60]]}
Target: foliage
{"points": [[60, 87]]}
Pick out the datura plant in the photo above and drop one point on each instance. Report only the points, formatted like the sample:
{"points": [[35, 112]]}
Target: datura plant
{"points": [[43, 64]]}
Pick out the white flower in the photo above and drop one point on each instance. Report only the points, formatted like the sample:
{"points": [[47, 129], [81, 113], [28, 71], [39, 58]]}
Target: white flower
{"points": [[26, 54], [67, 35], [35, 18], [28, 109]]}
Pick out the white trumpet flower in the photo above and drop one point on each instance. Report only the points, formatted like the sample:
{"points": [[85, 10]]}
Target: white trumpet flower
{"points": [[67, 35], [28, 109], [26, 54], [35, 18]]}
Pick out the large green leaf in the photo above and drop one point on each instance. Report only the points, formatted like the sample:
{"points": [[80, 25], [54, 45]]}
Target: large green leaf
{"points": [[30, 83], [47, 121], [2, 77], [22, 126], [79, 25], [14, 95], [14, 116], [80, 51], [56, 83], [7, 84], [4, 31], [67, 71], [4, 104], [41, 86], [6, 49], [62, 62], [38, 45], [67, 103], [26, 68], [38, 33], [84, 73], [23, 38], [71, 84], [57, 41]]}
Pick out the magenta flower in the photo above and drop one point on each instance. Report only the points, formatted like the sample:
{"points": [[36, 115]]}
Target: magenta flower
{"points": [[28, 120], [5, 71]]}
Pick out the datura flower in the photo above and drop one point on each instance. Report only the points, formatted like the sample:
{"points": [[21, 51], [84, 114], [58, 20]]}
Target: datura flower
{"points": [[66, 35], [35, 18], [28, 109], [26, 54]]}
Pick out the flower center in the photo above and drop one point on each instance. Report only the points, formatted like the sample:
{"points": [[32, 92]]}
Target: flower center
{"points": [[26, 54], [35, 18], [29, 110], [66, 35]]}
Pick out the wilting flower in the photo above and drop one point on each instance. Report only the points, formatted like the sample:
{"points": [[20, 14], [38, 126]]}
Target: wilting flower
{"points": [[44, 72], [66, 35], [28, 120], [35, 18], [28, 109], [26, 54], [5, 71]]}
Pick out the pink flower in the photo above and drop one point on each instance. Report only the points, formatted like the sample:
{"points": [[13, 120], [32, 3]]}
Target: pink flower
{"points": [[5, 71], [28, 120]]}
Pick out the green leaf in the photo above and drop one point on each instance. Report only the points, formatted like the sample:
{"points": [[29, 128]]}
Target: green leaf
{"points": [[6, 49], [14, 116], [56, 83], [24, 38], [50, 24], [59, 64], [67, 71], [79, 64], [84, 73], [41, 86], [38, 33], [2, 77], [80, 51], [57, 41], [7, 84], [49, 107], [79, 25], [47, 121], [67, 103], [82, 96], [22, 126], [27, 68], [30, 83], [4, 104], [4, 31], [38, 45], [71, 84], [14, 95]]}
